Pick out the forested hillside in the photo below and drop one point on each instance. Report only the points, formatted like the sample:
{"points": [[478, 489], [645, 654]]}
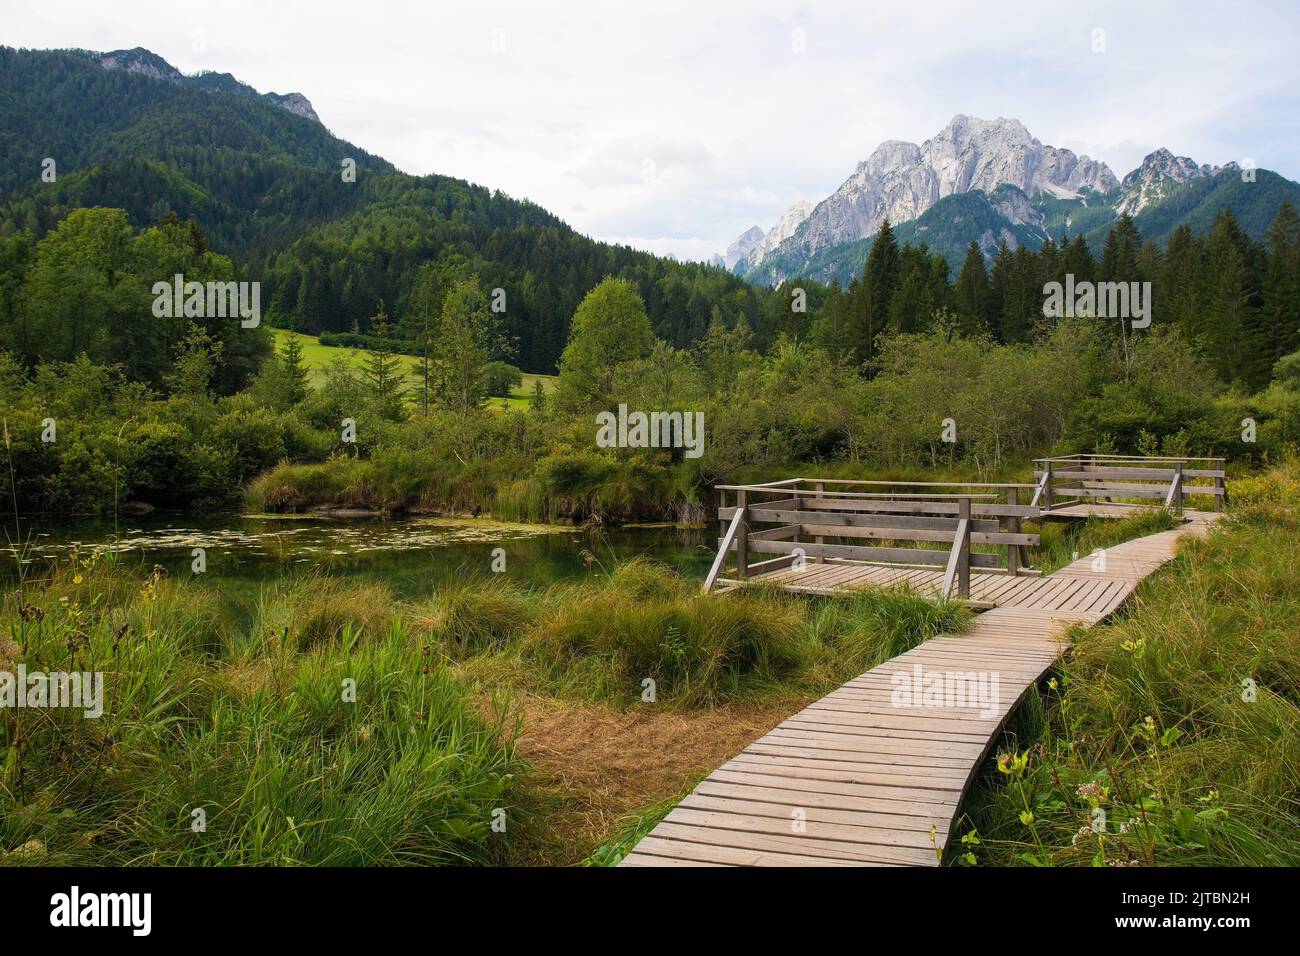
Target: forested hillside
{"points": [[266, 187]]}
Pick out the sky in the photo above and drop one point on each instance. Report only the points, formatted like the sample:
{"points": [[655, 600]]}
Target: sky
{"points": [[674, 126]]}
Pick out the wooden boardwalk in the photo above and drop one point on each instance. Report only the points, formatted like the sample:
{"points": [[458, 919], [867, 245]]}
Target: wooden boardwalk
{"points": [[863, 777], [1095, 594]]}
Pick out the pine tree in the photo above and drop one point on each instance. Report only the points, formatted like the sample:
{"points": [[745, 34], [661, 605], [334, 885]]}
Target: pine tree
{"points": [[382, 370], [1233, 303], [1180, 287], [996, 306], [881, 276], [1023, 299], [423, 323], [295, 372], [1281, 308], [1120, 252], [1077, 260], [971, 296]]}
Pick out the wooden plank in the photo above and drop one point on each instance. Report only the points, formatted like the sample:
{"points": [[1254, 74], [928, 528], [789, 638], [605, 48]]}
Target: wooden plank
{"points": [[660, 851], [843, 850], [854, 779], [737, 520]]}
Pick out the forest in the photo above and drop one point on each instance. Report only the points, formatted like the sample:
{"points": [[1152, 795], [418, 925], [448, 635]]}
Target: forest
{"points": [[177, 412]]}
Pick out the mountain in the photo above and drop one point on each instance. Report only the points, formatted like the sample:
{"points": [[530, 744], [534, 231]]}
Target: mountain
{"points": [[740, 249], [785, 227], [901, 180], [145, 63], [1160, 173], [264, 182], [991, 181]]}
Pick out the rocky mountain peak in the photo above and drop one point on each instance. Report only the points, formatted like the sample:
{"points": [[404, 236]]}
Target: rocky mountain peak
{"points": [[900, 180], [294, 103], [741, 248], [1152, 181], [139, 60], [150, 64], [972, 153]]}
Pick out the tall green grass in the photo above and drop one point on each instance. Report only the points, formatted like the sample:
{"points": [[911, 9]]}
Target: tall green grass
{"points": [[335, 746], [642, 631], [1180, 721], [336, 726]]}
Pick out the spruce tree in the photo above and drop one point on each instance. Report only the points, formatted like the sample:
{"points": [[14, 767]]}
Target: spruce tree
{"points": [[295, 371], [971, 296], [382, 370], [1281, 308], [882, 276], [998, 290]]}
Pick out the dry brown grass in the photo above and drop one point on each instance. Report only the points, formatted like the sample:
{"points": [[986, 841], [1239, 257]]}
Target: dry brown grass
{"points": [[593, 765]]}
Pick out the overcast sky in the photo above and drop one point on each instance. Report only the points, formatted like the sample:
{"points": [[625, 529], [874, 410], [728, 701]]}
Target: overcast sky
{"points": [[675, 126]]}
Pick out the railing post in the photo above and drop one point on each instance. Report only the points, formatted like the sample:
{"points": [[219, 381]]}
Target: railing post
{"points": [[963, 542], [819, 539], [1047, 486], [1220, 485], [742, 536], [1013, 526]]}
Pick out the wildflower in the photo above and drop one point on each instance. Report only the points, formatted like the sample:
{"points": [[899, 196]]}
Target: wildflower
{"points": [[1026, 817], [1093, 792], [1013, 764], [1085, 831]]}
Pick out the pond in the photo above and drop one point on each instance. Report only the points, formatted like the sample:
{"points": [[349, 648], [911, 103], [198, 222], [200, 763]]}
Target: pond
{"points": [[411, 556]]}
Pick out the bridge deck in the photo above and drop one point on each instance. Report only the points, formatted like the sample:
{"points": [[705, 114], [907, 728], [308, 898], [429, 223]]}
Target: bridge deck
{"points": [[856, 779], [1096, 594]]}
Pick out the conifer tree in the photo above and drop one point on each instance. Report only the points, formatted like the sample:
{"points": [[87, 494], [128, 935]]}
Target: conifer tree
{"points": [[971, 296], [382, 370]]}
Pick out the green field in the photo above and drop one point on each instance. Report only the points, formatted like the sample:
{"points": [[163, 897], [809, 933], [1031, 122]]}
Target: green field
{"points": [[318, 357]]}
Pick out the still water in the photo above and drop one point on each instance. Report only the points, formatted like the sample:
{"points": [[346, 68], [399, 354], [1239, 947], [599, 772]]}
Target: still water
{"points": [[411, 556]]}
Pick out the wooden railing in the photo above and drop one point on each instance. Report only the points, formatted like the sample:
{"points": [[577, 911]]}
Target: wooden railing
{"points": [[1083, 478], [804, 520]]}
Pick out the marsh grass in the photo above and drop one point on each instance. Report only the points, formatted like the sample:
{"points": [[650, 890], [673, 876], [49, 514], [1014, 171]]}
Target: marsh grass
{"points": [[302, 611], [604, 639], [285, 768], [255, 725], [473, 615], [1180, 721]]}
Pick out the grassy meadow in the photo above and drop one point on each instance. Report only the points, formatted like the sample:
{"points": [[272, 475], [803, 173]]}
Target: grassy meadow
{"points": [[317, 358]]}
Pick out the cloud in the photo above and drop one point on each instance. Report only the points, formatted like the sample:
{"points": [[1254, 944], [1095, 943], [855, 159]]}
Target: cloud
{"points": [[678, 125]]}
